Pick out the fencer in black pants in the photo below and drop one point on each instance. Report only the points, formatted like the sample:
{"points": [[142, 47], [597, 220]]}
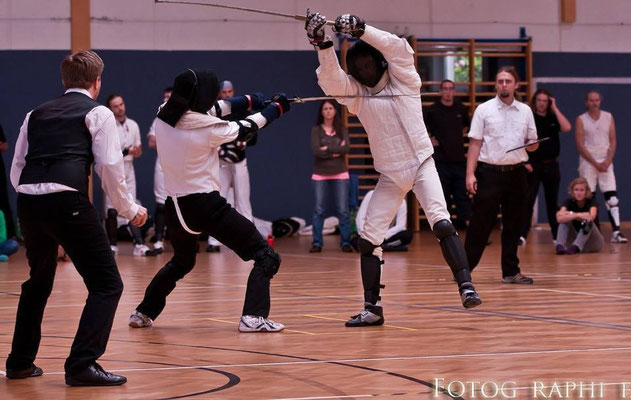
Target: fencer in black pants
{"points": [[210, 213], [188, 132], [57, 145]]}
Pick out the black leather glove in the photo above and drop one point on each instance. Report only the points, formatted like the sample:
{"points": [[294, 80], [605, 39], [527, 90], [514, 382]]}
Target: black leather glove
{"points": [[314, 25], [282, 101], [350, 24]]}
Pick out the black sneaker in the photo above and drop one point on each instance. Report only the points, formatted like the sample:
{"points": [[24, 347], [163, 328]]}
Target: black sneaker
{"points": [[371, 316], [518, 279], [315, 249], [469, 296]]}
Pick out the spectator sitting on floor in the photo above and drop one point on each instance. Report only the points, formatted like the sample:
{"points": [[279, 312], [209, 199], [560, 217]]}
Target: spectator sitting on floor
{"points": [[578, 221], [397, 236], [7, 246]]}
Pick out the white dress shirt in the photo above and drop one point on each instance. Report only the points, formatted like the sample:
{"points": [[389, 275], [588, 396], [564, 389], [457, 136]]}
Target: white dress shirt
{"points": [[108, 160], [128, 136], [503, 127]]}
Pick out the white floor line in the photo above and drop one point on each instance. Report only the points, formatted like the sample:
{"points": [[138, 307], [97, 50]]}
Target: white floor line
{"points": [[375, 359], [587, 293]]}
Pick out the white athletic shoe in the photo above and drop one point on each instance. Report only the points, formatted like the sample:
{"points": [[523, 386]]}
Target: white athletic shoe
{"points": [[114, 250], [252, 323], [140, 250], [522, 241], [617, 237], [158, 245], [139, 320]]}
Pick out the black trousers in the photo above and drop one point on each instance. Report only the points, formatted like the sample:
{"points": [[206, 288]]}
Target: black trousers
{"points": [[208, 213], [452, 178], [505, 189], [549, 175], [69, 219]]}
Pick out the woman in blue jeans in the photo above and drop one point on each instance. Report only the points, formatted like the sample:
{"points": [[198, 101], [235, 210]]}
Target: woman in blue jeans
{"points": [[329, 143]]}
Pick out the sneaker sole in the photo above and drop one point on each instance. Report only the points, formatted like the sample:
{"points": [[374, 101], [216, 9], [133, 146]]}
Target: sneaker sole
{"points": [[251, 330], [349, 324], [517, 283], [137, 325], [472, 303]]}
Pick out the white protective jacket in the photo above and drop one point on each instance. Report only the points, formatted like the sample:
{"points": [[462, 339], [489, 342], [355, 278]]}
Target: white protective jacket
{"points": [[397, 134]]}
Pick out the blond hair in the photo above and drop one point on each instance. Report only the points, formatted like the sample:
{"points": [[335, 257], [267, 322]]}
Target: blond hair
{"points": [[580, 181], [81, 69]]}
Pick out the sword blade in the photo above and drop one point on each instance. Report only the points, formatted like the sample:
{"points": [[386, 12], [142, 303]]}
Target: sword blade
{"points": [[247, 9], [528, 144]]}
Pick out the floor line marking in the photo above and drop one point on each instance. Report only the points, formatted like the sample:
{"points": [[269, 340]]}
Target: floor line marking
{"points": [[373, 359]]}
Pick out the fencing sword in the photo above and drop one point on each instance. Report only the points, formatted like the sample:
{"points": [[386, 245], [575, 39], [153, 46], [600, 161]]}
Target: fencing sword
{"points": [[253, 10], [528, 144], [301, 100]]}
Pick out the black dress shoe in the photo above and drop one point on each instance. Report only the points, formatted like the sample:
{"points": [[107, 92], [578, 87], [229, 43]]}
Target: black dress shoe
{"points": [[347, 248], [315, 249], [94, 375], [29, 372]]}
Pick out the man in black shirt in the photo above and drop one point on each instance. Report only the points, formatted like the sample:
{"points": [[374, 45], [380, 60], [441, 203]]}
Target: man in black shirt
{"points": [[543, 164], [447, 122]]}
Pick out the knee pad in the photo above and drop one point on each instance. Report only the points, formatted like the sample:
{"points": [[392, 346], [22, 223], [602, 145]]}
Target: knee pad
{"points": [[112, 213], [443, 229], [268, 260], [365, 247], [611, 199]]}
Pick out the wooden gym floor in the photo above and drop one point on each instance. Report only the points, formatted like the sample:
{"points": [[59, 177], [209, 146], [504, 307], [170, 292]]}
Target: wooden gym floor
{"points": [[573, 325]]}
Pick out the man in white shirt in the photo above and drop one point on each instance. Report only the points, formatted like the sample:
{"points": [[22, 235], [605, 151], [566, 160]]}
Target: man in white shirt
{"points": [[159, 190], [596, 145], [188, 136], [382, 89], [54, 152], [497, 177], [131, 147]]}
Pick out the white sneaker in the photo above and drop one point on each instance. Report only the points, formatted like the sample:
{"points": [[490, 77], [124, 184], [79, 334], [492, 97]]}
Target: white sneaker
{"points": [[522, 241], [158, 245], [114, 250], [141, 250], [251, 323], [617, 237], [139, 320]]}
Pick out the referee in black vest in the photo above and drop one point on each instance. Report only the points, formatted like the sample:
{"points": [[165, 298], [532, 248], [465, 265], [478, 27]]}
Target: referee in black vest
{"points": [[57, 144]]}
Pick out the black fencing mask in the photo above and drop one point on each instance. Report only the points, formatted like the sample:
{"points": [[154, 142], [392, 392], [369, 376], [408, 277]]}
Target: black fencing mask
{"points": [[195, 90], [365, 63]]}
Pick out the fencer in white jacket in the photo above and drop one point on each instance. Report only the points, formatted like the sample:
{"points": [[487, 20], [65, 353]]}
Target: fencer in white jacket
{"points": [[383, 90]]}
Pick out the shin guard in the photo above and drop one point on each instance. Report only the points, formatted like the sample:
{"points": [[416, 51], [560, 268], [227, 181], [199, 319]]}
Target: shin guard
{"points": [[371, 272], [453, 250]]}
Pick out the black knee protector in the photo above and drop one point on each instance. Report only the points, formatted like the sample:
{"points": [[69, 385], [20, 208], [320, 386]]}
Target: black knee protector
{"points": [[453, 250], [371, 271], [269, 260], [443, 229], [365, 247]]}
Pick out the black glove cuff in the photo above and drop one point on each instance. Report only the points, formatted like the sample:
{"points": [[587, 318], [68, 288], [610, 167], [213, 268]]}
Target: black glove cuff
{"points": [[325, 44]]}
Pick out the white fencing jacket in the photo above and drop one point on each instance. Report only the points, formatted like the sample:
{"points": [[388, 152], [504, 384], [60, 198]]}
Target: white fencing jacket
{"points": [[397, 134]]}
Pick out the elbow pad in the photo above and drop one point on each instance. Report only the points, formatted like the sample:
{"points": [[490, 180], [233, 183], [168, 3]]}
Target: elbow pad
{"points": [[247, 129]]}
